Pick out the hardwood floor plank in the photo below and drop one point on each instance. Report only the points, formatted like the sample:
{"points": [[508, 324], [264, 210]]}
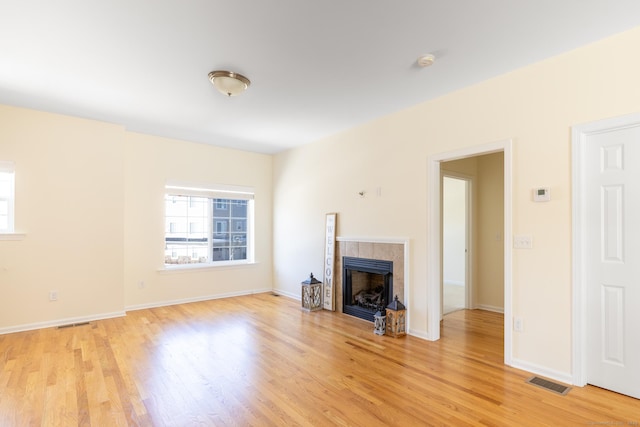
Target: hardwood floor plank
{"points": [[82, 399], [261, 360]]}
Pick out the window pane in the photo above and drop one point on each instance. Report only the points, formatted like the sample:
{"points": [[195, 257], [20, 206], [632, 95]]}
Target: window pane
{"points": [[5, 189], [220, 254], [186, 229], [239, 253], [221, 239], [239, 208], [230, 229], [239, 239], [6, 202], [221, 204], [222, 225]]}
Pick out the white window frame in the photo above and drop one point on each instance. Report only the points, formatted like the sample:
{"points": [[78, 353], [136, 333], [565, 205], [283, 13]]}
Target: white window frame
{"points": [[216, 192], [9, 168]]}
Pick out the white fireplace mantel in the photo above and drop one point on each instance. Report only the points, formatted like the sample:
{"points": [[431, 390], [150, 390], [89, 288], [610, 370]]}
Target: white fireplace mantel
{"points": [[399, 240]]}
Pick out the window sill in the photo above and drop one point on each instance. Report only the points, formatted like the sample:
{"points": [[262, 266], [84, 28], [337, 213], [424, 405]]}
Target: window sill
{"points": [[184, 268], [12, 236]]}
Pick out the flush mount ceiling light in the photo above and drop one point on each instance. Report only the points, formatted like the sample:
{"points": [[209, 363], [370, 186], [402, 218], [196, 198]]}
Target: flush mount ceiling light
{"points": [[426, 60], [228, 82]]}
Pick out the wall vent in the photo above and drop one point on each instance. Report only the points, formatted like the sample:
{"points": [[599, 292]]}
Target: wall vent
{"points": [[549, 385]]}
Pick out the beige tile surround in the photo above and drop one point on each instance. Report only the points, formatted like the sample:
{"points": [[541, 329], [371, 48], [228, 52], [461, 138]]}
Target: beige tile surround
{"points": [[373, 250]]}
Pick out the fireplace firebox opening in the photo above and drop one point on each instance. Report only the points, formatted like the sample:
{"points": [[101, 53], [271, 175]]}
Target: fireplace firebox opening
{"points": [[367, 286]]}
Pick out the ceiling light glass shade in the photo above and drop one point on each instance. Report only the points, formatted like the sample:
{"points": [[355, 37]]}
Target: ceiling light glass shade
{"points": [[228, 82]]}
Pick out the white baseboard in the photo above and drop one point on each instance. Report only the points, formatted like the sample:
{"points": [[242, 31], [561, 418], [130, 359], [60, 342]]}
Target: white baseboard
{"points": [[195, 299], [563, 377], [419, 334], [295, 296], [490, 308], [94, 317], [60, 322], [453, 282]]}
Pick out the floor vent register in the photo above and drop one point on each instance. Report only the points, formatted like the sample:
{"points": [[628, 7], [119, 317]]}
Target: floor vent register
{"points": [[549, 385]]}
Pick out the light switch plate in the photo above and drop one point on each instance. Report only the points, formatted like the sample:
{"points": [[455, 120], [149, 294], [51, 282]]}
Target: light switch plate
{"points": [[523, 242]]}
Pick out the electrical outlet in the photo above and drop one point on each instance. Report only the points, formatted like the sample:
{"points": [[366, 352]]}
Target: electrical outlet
{"points": [[518, 324], [53, 295]]}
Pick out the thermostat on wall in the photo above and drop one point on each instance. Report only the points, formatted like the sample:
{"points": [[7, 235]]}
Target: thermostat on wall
{"points": [[541, 194]]}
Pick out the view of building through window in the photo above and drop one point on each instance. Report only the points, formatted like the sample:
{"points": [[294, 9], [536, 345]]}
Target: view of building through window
{"points": [[205, 230]]}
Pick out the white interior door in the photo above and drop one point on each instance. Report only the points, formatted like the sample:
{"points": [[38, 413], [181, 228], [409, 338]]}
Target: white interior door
{"points": [[612, 255]]}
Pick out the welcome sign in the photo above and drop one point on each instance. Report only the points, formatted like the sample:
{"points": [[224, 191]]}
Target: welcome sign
{"points": [[329, 260]]}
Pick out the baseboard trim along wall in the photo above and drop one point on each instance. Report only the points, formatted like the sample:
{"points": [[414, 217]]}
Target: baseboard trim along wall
{"points": [[563, 377], [60, 322], [288, 294], [195, 299], [490, 308], [92, 318]]}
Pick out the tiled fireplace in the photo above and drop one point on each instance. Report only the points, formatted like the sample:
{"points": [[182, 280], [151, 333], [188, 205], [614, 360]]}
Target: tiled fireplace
{"points": [[367, 286], [378, 262]]}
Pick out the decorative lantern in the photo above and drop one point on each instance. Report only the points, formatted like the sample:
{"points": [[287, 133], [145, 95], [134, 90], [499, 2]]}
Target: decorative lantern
{"points": [[396, 319], [312, 294], [379, 323]]}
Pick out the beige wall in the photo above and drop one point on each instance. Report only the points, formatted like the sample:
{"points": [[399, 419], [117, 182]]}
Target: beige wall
{"points": [[490, 226], [149, 163], [535, 107], [89, 196], [69, 180]]}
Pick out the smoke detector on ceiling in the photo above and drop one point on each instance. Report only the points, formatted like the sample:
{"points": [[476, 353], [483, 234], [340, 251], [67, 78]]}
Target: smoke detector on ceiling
{"points": [[426, 60]]}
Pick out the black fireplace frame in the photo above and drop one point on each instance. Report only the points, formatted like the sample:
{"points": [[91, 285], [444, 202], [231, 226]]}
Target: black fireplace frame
{"points": [[364, 265]]}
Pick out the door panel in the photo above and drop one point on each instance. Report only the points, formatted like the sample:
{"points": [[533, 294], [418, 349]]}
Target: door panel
{"points": [[613, 259]]}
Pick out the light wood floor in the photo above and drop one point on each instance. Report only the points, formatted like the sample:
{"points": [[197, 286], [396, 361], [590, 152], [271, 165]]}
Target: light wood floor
{"points": [[260, 360]]}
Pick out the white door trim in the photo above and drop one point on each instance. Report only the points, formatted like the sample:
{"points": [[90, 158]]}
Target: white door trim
{"points": [[434, 236], [579, 134]]}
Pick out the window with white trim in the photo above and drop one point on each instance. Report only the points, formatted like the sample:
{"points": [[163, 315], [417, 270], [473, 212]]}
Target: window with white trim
{"points": [[208, 226], [7, 197]]}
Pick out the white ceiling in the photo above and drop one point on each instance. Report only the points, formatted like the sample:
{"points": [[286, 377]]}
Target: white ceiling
{"points": [[316, 67]]}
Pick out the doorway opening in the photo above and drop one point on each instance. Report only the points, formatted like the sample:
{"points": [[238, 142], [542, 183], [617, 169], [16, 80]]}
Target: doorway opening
{"points": [[501, 237]]}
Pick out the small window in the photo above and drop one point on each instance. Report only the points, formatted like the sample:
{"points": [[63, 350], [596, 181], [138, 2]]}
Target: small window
{"points": [[7, 197]]}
